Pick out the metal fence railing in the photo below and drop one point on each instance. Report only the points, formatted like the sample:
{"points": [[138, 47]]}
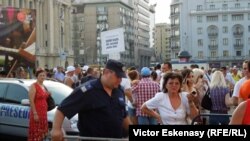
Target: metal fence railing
{"points": [[80, 138], [201, 119]]}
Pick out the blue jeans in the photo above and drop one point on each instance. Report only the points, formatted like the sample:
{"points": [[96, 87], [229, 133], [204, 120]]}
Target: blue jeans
{"points": [[219, 120], [131, 112], [146, 120]]}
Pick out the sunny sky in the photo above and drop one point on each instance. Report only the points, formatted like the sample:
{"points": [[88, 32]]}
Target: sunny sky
{"points": [[162, 11]]}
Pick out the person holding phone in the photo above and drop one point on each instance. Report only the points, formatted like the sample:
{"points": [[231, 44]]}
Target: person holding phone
{"points": [[173, 106]]}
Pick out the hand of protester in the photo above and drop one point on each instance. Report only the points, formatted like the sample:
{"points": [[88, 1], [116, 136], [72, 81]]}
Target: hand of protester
{"points": [[191, 97], [36, 118], [158, 118], [57, 135]]}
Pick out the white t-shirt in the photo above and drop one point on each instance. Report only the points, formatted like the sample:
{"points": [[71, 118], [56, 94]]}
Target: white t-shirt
{"points": [[161, 81], [126, 85], [169, 116], [237, 87]]}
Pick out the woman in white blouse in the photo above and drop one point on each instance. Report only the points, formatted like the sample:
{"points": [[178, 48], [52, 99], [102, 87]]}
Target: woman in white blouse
{"points": [[173, 106]]}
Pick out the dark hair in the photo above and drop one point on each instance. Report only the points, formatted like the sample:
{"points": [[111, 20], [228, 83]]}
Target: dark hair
{"points": [[223, 68], [89, 70], [133, 75], [131, 68], [158, 66], [185, 73], [170, 75], [248, 64], [38, 71], [154, 75], [194, 66], [169, 65]]}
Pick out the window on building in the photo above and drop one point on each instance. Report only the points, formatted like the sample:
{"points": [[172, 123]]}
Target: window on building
{"points": [[9, 2], [238, 53], [213, 54], [212, 6], [212, 18], [199, 30], [238, 17], [176, 55], [224, 17], [21, 3], [30, 4], [249, 28], [249, 53], [237, 5], [199, 19], [225, 29], [225, 53], [225, 41], [200, 54], [199, 7], [248, 16], [249, 40], [248, 5], [224, 6], [238, 42], [200, 43], [213, 42], [176, 10]]}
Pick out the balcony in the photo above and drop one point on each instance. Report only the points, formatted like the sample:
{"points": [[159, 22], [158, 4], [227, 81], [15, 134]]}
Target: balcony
{"points": [[175, 36], [238, 33], [174, 13], [212, 34], [217, 11], [213, 47], [238, 46], [175, 48]]}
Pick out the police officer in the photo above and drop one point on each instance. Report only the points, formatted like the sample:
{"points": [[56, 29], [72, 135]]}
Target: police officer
{"points": [[100, 105]]}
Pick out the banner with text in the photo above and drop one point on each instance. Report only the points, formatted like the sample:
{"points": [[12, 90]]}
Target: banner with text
{"points": [[112, 41]]}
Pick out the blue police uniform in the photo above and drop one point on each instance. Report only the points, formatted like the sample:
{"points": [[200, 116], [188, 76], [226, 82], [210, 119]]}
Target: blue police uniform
{"points": [[99, 115]]}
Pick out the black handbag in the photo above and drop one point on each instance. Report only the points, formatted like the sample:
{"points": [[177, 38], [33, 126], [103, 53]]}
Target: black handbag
{"points": [[50, 101], [206, 101]]}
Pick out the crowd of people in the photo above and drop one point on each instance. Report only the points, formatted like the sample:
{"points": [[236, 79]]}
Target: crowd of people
{"points": [[107, 100]]}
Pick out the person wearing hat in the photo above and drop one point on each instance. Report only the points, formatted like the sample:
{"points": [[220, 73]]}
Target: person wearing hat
{"points": [[68, 80], [100, 105], [145, 90]]}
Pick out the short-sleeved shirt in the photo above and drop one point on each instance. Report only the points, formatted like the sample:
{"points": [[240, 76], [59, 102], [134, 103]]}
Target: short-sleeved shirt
{"points": [[169, 115], [99, 115], [237, 87], [244, 90], [218, 95]]}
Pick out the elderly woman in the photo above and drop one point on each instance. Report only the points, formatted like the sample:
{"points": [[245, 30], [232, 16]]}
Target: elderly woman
{"points": [[173, 106]]}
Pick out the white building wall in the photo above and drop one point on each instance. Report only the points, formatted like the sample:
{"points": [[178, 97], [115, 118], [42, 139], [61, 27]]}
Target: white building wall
{"points": [[188, 28]]}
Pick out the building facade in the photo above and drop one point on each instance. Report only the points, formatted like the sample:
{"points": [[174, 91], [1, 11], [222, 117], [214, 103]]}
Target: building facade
{"points": [[143, 52], [103, 15], [162, 42], [152, 25], [53, 30], [214, 31]]}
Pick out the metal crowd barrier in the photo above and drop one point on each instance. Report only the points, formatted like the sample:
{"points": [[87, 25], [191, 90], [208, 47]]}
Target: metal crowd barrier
{"points": [[200, 118], [80, 138]]}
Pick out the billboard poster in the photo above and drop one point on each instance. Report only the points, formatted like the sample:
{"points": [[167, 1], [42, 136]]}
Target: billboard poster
{"points": [[112, 41], [17, 37]]}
